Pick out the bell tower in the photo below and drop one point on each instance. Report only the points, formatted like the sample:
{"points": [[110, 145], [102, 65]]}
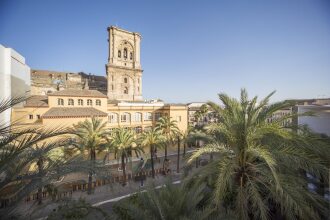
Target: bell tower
{"points": [[124, 73]]}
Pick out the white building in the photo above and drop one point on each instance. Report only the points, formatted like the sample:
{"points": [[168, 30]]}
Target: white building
{"points": [[14, 78], [320, 122]]}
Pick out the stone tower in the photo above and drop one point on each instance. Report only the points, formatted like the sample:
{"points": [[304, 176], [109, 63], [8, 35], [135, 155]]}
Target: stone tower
{"points": [[124, 71]]}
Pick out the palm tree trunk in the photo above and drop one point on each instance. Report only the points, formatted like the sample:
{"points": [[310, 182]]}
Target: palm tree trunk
{"points": [[40, 164], [124, 169], [90, 174], [178, 163], [165, 151], [152, 160], [184, 149], [211, 156]]}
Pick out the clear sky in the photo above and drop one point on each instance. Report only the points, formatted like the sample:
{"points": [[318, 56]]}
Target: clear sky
{"points": [[191, 50]]}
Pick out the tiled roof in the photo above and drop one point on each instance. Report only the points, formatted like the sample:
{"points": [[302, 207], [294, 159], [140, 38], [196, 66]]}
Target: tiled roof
{"points": [[37, 101], [73, 112], [79, 93]]}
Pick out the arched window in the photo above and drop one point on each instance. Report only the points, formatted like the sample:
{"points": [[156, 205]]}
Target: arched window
{"points": [[131, 55], [80, 102], [125, 80], [138, 117], [126, 90], [70, 102], [60, 102], [113, 118], [125, 117], [125, 53], [119, 53], [98, 102], [89, 102], [147, 116]]}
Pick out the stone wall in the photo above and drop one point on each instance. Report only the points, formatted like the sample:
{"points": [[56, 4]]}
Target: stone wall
{"points": [[44, 81]]}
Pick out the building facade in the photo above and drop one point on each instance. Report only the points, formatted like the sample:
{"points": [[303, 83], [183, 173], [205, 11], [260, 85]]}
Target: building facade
{"points": [[320, 121], [14, 78]]}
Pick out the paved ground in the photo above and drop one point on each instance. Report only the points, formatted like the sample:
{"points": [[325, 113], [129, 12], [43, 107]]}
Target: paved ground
{"points": [[102, 193]]}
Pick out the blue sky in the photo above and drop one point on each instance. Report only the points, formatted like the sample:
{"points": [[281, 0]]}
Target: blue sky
{"points": [[191, 50]]}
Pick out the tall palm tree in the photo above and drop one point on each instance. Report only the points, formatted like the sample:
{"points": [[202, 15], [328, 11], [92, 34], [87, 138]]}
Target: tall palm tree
{"points": [[124, 142], [259, 165], [167, 127], [92, 136], [152, 139]]}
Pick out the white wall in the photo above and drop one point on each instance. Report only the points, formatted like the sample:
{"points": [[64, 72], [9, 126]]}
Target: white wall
{"points": [[319, 123], [14, 77]]}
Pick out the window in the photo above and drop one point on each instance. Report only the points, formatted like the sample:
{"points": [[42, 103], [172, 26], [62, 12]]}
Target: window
{"points": [[70, 102], [112, 87], [89, 102], [147, 116], [126, 90], [60, 102], [119, 53], [138, 89], [125, 117], [178, 118], [125, 80], [138, 117], [158, 115], [125, 53], [131, 56], [30, 117], [98, 102], [80, 102], [38, 117], [113, 118]]}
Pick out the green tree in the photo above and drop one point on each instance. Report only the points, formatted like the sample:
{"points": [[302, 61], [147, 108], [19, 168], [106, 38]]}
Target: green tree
{"points": [[125, 144], [152, 139], [172, 202], [92, 136], [77, 209], [29, 160], [169, 129], [260, 167]]}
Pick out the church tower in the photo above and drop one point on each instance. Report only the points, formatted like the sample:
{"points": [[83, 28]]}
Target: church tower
{"points": [[124, 73]]}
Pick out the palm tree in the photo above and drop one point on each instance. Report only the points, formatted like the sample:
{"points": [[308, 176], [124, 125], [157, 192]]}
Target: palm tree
{"points": [[152, 139], [92, 136], [167, 203], [168, 128], [125, 143], [259, 165], [24, 166]]}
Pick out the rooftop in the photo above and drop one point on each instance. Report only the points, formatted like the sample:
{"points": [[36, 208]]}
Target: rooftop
{"points": [[79, 93], [73, 112], [37, 101]]}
